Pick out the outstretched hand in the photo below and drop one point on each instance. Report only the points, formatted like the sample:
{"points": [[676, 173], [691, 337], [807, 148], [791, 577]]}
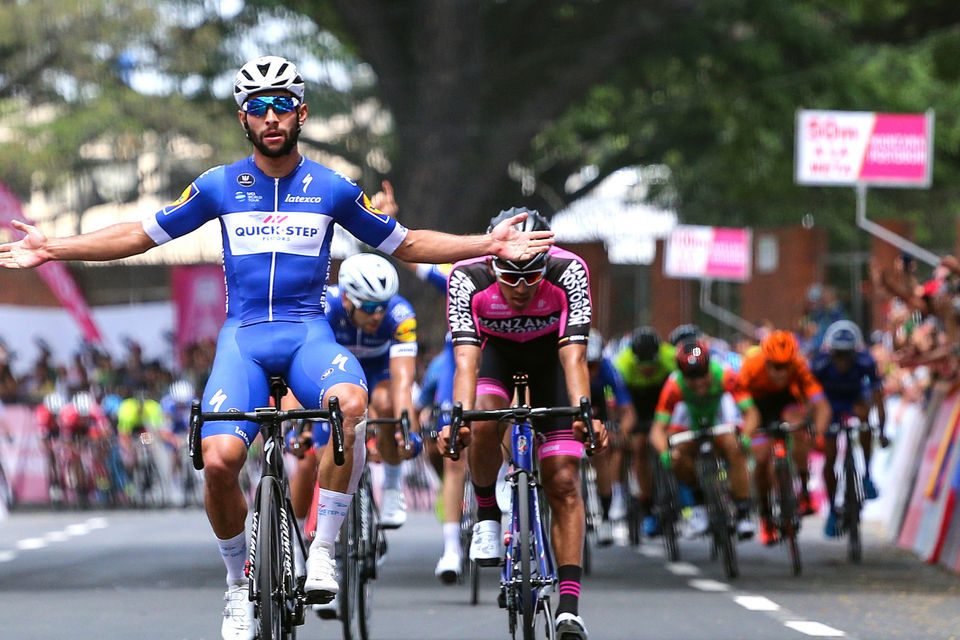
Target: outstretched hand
{"points": [[511, 244], [384, 201], [28, 252]]}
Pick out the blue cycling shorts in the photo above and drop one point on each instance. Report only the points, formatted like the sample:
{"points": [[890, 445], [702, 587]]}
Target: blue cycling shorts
{"points": [[304, 353], [376, 371]]}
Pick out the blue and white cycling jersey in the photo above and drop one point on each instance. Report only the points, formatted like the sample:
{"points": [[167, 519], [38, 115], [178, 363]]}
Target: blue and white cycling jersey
{"points": [[276, 233], [844, 390], [395, 337], [276, 258]]}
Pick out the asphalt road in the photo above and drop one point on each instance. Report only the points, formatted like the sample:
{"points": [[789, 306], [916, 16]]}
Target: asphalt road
{"points": [[158, 575]]}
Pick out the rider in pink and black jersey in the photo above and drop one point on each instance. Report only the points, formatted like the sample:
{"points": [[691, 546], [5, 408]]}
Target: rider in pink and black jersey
{"points": [[531, 316]]}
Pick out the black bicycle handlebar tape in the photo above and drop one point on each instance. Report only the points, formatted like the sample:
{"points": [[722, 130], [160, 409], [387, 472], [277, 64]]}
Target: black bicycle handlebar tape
{"points": [[405, 430], [586, 415], [336, 431], [196, 425], [456, 420]]}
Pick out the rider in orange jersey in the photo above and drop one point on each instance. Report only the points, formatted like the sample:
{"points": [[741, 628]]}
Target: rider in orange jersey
{"points": [[783, 387]]}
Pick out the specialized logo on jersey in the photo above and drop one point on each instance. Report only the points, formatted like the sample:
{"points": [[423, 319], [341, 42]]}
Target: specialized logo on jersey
{"points": [[406, 331], [188, 193], [307, 181], [575, 282], [296, 232], [246, 179], [520, 324], [367, 206]]}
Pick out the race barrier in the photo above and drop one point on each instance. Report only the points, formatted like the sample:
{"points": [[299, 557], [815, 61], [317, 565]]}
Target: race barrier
{"points": [[22, 457], [931, 522]]}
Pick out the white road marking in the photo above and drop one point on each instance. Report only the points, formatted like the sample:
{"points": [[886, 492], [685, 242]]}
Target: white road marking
{"points": [[7, 556], [812, 628], [756, 603], [28, 544], [651, 551], [96, 523], [709, 585], [56, 536], [77, 529], [682, 569]]}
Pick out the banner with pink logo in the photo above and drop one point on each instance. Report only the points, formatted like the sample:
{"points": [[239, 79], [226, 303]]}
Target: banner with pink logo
{"points": [[200, 301], [708, 253], [55, 274], [862, 147]]}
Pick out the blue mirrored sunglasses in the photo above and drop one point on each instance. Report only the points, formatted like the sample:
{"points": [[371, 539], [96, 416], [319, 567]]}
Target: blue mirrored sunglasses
{"points": [[369, 307], [280, 105]]}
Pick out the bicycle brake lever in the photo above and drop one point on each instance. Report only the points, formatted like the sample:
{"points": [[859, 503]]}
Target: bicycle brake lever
{"points": [[456, 420], [586, 415]]}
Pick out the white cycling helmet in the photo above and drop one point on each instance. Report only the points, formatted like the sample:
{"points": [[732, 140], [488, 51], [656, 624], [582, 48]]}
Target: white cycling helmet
{"points": [[54, 402], [181, 391], [267, 73], [843, 335], [366, 277]]}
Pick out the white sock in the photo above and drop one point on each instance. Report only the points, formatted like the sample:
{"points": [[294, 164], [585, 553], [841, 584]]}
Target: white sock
{"points": [[451, 538], [331, 512], [392, 474], [234, 554], [616, 490]]}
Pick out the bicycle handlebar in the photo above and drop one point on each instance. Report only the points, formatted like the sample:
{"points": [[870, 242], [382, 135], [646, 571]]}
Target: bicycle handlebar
{"points": [[403, 421], [687, 436], [266, 415], [459, 416]]}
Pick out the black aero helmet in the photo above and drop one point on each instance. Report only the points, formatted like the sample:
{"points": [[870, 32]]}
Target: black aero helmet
{"points": [[683, 332], [534, 222], [645, 343]]}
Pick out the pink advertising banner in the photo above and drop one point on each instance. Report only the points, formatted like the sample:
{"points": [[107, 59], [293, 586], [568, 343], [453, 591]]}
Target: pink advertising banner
{"points": [[200, 299], [55, 274], [708, 253], [862, 147]]}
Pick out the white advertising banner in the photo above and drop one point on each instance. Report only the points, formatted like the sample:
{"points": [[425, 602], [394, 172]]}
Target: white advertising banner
{"points": [[845, 148]]}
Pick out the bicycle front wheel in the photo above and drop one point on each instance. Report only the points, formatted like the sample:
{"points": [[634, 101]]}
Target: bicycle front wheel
{"points": [[719, 511], [367, 552], [347, 559], [789, 518], [851, 512], [269, 609], [527, 599]]}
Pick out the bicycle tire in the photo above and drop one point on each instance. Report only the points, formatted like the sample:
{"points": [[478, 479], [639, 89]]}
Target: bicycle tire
{"points": [[789, 517], [367, 556], [269, 606], [719, 517], [592, 512], [667, 507], [527, 600], [851, 508], [347, 559]]}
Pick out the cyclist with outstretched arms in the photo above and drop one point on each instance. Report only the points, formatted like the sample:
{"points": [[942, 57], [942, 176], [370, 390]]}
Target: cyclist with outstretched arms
{"points": [[852, 385], [277, 210], [704, 391], [645, 364], [531, 315], [783, 387]]}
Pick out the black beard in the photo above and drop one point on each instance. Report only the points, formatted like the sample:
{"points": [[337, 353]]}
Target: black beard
{"points": [[285, 148]]}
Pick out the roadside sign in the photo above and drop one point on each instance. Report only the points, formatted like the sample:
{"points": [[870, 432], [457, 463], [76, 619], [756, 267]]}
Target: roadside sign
{"points": [[713, 253]]}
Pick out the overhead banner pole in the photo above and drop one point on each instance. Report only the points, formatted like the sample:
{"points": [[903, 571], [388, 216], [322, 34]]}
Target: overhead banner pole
{"points": [[863, 149]]}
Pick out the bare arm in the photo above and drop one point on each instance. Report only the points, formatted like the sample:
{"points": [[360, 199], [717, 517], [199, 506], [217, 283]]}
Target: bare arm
{"points": [[467, 359], [573, 359], [424, 245], [110, 243], [402, 369], [822, 414]]}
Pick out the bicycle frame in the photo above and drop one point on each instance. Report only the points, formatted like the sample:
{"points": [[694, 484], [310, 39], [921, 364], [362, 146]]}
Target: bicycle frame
{"points": [[278, 591], [850, 487], [528, 545]]}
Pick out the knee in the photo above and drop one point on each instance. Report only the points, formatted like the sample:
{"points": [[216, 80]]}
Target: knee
{"points": [[563, 489], [222, 465]]}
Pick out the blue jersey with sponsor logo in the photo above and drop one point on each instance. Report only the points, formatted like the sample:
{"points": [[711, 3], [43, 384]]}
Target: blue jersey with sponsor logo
{"points": [[844, 388], [396, 335], [276, 233]]}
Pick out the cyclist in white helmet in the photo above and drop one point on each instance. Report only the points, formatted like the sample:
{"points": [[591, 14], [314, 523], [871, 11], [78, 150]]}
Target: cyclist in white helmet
{"points": [[380, 328], [277, 211]]}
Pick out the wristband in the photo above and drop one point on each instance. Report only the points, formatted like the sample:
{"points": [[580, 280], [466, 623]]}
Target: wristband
{"points": [[665, 460]]}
